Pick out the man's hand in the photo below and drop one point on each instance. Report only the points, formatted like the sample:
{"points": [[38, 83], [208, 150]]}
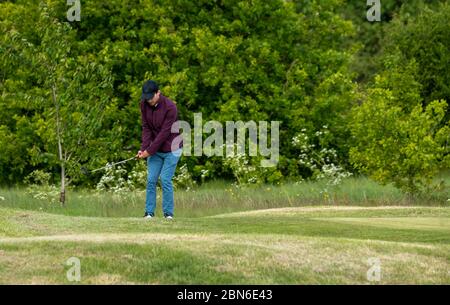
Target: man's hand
{"points": [[142, 154]]}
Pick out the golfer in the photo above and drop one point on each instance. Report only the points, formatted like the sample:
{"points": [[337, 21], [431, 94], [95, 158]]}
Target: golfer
{"points": [[158, 115]]}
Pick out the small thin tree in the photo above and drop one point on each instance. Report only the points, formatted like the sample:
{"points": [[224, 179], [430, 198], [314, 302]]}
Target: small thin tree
{"points": [[73, 90]]}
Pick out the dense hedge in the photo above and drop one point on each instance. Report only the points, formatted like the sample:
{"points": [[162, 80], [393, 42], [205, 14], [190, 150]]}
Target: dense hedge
{"points": [[289, 61]]}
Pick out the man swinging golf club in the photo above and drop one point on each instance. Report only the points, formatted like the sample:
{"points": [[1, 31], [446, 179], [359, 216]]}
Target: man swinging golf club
{"points": [[158, 115]]}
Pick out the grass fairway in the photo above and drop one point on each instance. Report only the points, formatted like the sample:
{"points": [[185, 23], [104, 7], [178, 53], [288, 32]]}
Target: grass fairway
{"points": [[297, 245]]}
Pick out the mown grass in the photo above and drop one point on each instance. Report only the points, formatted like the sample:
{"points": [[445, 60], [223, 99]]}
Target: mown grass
{"points": [[279, 246], [265, 235]]}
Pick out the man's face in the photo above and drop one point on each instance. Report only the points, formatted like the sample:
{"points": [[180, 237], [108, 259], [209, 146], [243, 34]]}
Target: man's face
{"points": [[155, 99]]}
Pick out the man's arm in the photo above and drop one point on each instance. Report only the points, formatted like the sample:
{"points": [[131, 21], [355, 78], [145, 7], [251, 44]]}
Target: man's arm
{"points": [[164, 133], [146, 134]]}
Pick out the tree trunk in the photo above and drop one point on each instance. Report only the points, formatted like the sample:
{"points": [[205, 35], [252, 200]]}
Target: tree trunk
{"points": [[62, 197]]}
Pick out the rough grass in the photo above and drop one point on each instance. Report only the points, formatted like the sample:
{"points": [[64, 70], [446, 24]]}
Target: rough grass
{"points": [[325, 245], [218, 197]]}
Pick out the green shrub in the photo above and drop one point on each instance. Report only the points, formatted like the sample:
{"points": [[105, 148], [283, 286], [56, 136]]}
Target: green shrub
{"points": [[405, 148]]}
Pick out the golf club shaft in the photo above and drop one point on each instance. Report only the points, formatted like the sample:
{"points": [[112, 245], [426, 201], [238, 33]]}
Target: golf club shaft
{"points": [[120, 162]]}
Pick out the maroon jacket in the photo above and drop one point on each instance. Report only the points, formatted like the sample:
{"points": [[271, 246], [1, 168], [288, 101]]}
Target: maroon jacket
{"points": [[156, 125]]}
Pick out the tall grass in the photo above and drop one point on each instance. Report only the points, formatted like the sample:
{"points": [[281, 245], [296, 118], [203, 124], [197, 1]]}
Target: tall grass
{"points": [[219, 196]]}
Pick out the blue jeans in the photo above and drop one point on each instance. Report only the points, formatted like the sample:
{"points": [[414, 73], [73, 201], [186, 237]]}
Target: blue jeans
{"points": [[161, 165]]}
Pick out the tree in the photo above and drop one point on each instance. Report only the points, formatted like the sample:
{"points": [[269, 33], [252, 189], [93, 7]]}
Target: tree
{"points": [[68, 93], [406, 144], [423, 39], [401, 130], [230, 60], [370, 36]]}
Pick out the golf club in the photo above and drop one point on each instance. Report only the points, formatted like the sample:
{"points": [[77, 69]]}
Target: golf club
{"points": [[85, 171]]}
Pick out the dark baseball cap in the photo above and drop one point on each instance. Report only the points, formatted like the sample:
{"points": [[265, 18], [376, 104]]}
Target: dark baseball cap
{"points": [[149, 89]]}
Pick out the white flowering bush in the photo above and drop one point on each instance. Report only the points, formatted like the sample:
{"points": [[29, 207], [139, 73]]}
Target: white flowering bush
{"points": [[183, 178], [241, 166], [113, 180], [39, 187], [118, 180], [320, 160], [248, 170], [242, 169], [203, 174], [138, 175], [333, 174]]}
